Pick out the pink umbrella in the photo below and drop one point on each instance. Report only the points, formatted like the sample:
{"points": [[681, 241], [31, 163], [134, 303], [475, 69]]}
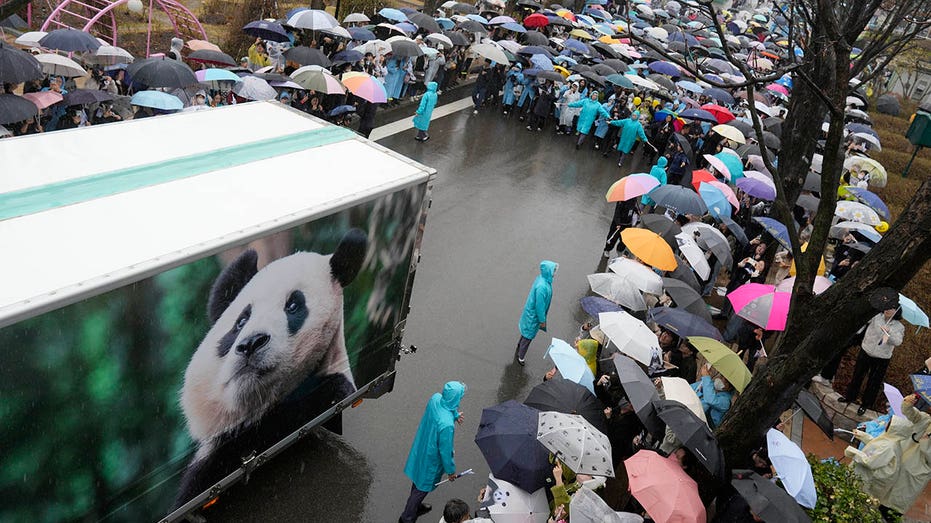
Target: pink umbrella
{"points": [[366, 87], [778, 88], [718, 165], [894, 397], [762, 305], [821, 284], [728, 192], [43, 99], [631, 186], [666, 492]]}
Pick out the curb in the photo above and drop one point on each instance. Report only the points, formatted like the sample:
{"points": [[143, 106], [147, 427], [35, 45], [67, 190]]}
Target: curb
{"points": [[407, 108]]}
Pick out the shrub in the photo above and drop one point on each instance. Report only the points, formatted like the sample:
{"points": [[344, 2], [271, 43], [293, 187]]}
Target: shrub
{"points": [[840, 495]]}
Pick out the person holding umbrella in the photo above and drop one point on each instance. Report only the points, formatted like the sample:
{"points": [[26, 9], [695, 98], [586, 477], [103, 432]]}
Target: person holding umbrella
{"points": [[626, 214], [431, 454], [884, 332], [533, 318], [715, 395]]}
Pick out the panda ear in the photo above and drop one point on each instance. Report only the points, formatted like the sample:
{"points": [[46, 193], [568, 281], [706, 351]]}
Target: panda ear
{"points": [[348, 257], [230, 282]]}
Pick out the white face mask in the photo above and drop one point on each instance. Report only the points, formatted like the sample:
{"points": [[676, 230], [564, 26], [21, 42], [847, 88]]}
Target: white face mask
{"points": [[718, 384]]}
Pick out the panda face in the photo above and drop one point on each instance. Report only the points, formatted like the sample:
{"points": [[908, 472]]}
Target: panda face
{"points": [[277, 330]]}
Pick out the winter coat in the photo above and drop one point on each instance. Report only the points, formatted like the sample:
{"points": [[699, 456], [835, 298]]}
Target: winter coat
{"points": [[658, 171], [514, 78], [566, 113], [631, 130], [591, 109], [715, 402], [425, 111], [394, 80], [544, 105], [431, 454], [879, 462], [872, 341], [538, 301]]}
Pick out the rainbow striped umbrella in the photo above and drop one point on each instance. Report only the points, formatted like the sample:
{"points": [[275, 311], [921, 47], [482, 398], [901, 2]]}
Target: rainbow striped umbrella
{"points": [[366, 87], [631, 186]]}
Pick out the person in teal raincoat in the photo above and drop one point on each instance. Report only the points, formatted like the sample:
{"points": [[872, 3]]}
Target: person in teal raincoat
{"points": [[631, 131], [514, 78], [591, 109], [431, 454], [715, 396], [533, 318], [424, 112], [658, 171]]}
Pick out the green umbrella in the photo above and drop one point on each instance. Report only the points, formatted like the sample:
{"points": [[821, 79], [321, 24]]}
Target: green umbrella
{"points": [[722, 358]]}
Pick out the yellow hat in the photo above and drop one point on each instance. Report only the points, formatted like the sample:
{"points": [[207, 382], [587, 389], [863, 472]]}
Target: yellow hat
{"points": [[882, 227], [637, 100], [655, 103]]}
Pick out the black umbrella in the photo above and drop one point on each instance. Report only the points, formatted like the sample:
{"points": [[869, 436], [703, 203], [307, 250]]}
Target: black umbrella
{"points": [[17, 66], [463, 8], [888, 104], [813, 409], [594, 77], [161, 72], [881, 299], [693, 433], [683, 323], [535, 38], [663, 226], [607, 51], [568, 397], [70, 40], [771, 140], [457, 38], [769, 502], [473, 27], [686, 146], [580, 68], [528, 50], [86, 96], [405, 48], [552, 76], [663, 81], [640, 392], [266, 30], [423, 21], [719, 94], [683, 200], [530, 4], [16, 109], [686, 275], [618, 65], [507, 437], [304, 55], [603, 70], [773, 125], [745, 127], [209, 56], [736, 230], [686, 296], [746, 150]]}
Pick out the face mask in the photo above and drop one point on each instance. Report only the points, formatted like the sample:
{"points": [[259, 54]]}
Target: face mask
{"points": [[718, 384]]}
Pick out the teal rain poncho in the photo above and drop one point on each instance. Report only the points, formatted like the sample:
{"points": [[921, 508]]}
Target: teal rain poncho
{"points": [[431, 454]]}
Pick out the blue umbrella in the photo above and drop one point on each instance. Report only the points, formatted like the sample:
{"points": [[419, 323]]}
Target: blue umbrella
{"points": [[698, 114], [576, 46], [349, 56], [446, 23], [619, 80], [507, 438], [70, 40], [683, 37], [912, 313], [571, 365], [395, 15], [517, 28], [342, 109], [595, 305], [715, 200], [719, 94], [407, 27], [536, 49], [361, 34], [541, 62], [922, 385], [690, 86], [565, 60], [266, 30], [862, 128], [477, 18], [666, 68], [157, 100], [775, 229], [598, 13], [683, 323], [871, 200]]}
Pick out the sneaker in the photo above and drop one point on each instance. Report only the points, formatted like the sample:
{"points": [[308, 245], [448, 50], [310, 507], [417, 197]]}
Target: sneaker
{"points": [[559, 133], [521, 361], [861, 411], [606, 254], [539, 129], [438, 92], [528, 128], [425, 138], [596, 147], [475, 111]]}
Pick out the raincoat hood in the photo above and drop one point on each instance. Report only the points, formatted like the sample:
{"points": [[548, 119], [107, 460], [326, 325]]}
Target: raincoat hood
{"points": [[900, 426], [548, 270], [662, 162], [452, 395], [432, 86], [177, 44]]}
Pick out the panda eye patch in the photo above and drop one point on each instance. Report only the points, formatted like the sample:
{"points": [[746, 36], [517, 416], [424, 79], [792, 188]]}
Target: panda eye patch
{"points": [[295, 308], [243, 318], [226, 342]]}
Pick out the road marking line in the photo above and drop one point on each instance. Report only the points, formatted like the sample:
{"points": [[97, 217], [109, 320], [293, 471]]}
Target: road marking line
{"points": [[406, 123]]}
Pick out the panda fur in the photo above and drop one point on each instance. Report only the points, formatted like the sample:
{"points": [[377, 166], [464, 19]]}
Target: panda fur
{"points": [[274, 358]]}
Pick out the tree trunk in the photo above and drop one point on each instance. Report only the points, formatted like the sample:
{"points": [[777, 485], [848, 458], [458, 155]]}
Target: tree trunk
{"points": [[821, 324]]}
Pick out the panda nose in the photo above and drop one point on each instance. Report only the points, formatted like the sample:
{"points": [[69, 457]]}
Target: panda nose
{"points": [[251, 344]]}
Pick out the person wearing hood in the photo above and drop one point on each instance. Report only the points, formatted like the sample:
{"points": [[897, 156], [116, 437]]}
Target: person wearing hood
{"points": [[513, 79], [566, 114], [915, 469], [424, 112], [394, 78], [533, 318], [174, 52], [631, 131], [658, 171], [591, 109], [715, 396], [431, 454], [879, 462]]}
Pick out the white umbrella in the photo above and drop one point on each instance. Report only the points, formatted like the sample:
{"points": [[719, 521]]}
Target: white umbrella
{"points": [[854, 101], [711, 238], [5, 132], [630, 335], [110, 54], [658, 32], [376, 47], [509, 45], [792, 467], [579, 445], [508, 503], [342, 32], [30, 39], [693, 254], [867, 137], [254, 88], [641, 275], [839, 229], [355, 17], [491, 52], [313, 19], [440, 39], [857, 212], [58, 65], [618, 289], [677, 389], [816, 161], [588, 507], [644, 82]]}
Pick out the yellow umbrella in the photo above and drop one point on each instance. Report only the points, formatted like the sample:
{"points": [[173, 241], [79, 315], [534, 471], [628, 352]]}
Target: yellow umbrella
{"points": [[562, 70], [650, 247], [609, 40], [722, 358], [822, 268], [578, 33], [729, 132]]}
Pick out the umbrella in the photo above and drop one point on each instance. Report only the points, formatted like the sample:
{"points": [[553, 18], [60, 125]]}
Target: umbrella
{"points": [[727, 164], [679, 390], [318, 81], [884, 298], [405, 47], [839, 229], [912, 313], [588, 507], [894, 397], [86, 96], [157, 100], [685, 84], [722, 358], [161, 72], [698, 114], [456, 37], [736, 230], [15, 109], [425, 22], [694, 434], [775, 229], [266, 30], [662, 226], [314, 20], [440, 39], [762, 305], [686, 297], [645, 279], [571, 365], [814, 410], [361, 34], [394, 15], [721, 114], [304, 55], [70, 41], [252, 88], [491, 52], [507, 438], [366, 87], [18, 66], [719, 95], [203, 45], [109, 54], [679, 198], [686, 275], [764, 190], [769, 502], [552, 76], [58, 65], [509, 503], [536, 20], [618, 289], [714, 199], [620, 80], [663, 488], [856, 212], [870, 199], [43, 99], [821, 284], [649, 247], [535, 38], [730, 132], [594, 305], [792, 467], [921, 383], [355, 17], [461, 7], [29, 39], [683, 323], [694, 255], [666, 68], [640, 393], [216, 75], [709, 237], [631, 336], [212, 57], [342, 109], [877, 172], [579, 445], [568, 397]]}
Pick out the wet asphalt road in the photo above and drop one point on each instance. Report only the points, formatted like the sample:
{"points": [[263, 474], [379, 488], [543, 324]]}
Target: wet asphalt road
{"points": [[504, 199]]}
